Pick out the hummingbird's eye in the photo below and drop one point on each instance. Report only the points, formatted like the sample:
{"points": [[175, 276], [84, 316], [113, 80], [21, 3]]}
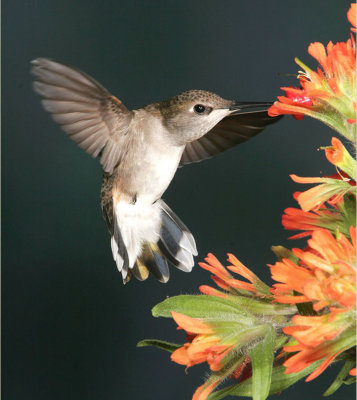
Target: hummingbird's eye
{"points": [[199, 109]]}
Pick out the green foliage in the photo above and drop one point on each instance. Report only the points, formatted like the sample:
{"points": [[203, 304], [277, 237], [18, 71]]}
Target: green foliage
{"points": [[262, 358], [341, 378], [279, 382]]}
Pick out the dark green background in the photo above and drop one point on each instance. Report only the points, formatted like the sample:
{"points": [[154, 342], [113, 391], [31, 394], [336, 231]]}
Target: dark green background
{"points": [[69, 325]]}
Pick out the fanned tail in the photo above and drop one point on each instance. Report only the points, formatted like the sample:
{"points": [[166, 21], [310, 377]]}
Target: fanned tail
{"points": [[176, 241], [145, 237]]}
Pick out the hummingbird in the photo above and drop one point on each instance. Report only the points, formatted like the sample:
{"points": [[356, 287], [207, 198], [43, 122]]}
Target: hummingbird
{"points": [[140, 151]]}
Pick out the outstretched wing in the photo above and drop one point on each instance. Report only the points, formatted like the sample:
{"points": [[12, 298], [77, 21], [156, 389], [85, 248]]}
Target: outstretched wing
{"points": [[86, 111], [229, 132]]}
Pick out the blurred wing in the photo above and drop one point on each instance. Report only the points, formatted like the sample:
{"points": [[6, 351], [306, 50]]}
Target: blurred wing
{"points": [[87, 112], [229, 132]]}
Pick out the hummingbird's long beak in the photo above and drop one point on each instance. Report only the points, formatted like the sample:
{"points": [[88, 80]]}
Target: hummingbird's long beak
{"points": [[238, 107]]}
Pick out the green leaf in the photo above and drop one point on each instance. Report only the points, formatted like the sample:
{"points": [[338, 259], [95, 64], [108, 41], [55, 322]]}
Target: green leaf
{"points": [[350, 381], [349, 210], [340, 378], [161, 344], [279, 382], [205, 307], [262, 358], [261, 306]]}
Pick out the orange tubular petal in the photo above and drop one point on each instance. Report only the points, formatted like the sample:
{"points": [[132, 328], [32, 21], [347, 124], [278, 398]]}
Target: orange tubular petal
{"points": [[242, 285], [291, 299], [324, 242], [241, 269], [318, 371], [220, 282], [317, 50], [280, 108], [203, 391], [313, 336], [300, 235], [215, 362], [313, 261], [314, 197], [320, 305], [210, 291], [335, 153], [314, 291], [181, 357], [300, 179], [303, 320], [200, 346], [189, 324], [349, 249], [353, 372], [293, 348], [351, 16], [214, 266], [293, 276], [296, 219], [212, 260]]}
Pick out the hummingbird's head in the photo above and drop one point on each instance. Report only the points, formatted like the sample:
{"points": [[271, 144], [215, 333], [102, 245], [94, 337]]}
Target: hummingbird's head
{"points": [[191, 114]]}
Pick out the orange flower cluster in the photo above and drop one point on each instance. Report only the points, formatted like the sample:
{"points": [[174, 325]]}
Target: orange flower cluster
{"points": [[326, 277], [307, 221], [330, 93], [204, 344], [203, 347], [206, 340], [324, 205], [326, 274]]}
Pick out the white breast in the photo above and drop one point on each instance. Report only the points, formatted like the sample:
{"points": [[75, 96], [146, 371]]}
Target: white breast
{"points": [[156, 172], [155, 160]]}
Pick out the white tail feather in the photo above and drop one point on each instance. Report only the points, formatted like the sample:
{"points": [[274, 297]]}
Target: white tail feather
{"points": [[138, 223]]}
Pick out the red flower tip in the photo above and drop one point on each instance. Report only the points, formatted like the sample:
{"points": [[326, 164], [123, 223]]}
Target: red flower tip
{"points": [[297, 96]]}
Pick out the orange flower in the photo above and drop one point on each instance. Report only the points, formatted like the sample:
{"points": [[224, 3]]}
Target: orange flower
{"points": [[330, 189], [326, 351], [206, 344], [226, 281], [335, 153], [326, 277], [341, 158], [328, 94], [296, 219], [203, 391], [203, 347], [326, 274], [228, 327], [352, 17]]}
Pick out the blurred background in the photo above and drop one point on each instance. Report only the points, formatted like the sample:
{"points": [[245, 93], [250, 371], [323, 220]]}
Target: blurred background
{"points": [[70, 327]]}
